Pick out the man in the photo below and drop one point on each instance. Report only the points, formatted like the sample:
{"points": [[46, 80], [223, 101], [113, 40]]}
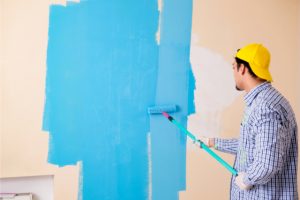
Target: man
{"points": [[267, 150]]}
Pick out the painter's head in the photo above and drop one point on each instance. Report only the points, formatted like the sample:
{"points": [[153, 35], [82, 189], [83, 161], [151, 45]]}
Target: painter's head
{"points": [[251, 63], [240, 67]]}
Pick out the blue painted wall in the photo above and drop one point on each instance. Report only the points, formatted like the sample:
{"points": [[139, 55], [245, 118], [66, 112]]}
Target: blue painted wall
{"points": [[175, 84], [104, 68]]}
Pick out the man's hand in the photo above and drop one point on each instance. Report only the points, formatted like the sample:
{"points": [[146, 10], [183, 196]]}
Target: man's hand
{"points": [[210, 142], [239, 182]]}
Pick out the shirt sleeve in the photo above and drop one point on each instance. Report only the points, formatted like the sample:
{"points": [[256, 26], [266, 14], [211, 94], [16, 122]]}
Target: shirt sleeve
{"points": [[270, 146], [226, 145]]}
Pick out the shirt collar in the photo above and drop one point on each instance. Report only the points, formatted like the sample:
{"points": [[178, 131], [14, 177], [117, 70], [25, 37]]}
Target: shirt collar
{"points": [[251, 95]]}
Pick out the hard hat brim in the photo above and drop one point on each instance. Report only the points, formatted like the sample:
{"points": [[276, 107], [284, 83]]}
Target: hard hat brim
{"points": [[261, 73]]}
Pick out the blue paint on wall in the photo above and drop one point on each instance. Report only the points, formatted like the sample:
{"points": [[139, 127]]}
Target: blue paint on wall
{"points": [[175, 84], [104, 69]]}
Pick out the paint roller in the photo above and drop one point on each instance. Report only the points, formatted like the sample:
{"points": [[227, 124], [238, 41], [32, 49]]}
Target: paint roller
{"points": [[165, 109]]}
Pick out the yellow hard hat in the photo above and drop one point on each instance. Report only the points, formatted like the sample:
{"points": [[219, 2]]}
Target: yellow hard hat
{"points": [[258, 58]]}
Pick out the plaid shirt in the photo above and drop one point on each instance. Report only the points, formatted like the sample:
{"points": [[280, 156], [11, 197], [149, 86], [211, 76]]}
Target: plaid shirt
{"points": [[267, 148]]}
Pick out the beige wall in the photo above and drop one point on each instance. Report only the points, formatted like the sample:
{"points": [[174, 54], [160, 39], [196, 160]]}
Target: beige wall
{"points": [[298, 78], [1, 79], [220, 28], [24, 146]]}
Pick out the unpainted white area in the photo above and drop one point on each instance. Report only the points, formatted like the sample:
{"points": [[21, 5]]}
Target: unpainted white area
{"points": [[215, 90], [63, 2], [160, 7]]}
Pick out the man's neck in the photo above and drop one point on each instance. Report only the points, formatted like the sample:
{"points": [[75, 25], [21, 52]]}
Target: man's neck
{"points": [[253, 83]]}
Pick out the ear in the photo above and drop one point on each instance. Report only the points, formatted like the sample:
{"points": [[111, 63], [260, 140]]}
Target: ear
{"points": [[243, 69]]}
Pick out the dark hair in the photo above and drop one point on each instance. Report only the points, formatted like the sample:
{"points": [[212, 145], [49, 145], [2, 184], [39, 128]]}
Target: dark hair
{"points": [[246, 64]]}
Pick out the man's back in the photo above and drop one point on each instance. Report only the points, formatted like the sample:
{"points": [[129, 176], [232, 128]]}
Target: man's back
{"points": [[268, 148]]}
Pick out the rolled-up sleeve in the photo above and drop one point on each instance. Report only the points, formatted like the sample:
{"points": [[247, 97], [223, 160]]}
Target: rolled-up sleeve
{"points": [[227, 145]]}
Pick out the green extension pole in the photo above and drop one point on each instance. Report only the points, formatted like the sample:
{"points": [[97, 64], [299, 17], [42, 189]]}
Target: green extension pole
{"points": [[202, 145]]}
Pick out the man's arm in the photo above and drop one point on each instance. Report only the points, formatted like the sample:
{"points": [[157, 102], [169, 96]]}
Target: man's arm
{"points": [[271, 142], [226, 145]]}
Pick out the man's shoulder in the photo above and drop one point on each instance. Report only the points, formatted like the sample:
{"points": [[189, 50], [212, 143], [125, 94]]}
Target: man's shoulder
{"points": [[271, 100]]}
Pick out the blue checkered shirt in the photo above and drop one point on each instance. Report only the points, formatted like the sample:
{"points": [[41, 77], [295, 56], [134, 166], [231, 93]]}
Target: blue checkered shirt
{"points": [[267, 148]]}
